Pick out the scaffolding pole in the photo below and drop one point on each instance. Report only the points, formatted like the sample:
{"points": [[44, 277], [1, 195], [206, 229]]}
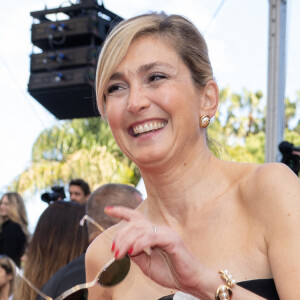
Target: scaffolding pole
{"points": [[276, 79]]}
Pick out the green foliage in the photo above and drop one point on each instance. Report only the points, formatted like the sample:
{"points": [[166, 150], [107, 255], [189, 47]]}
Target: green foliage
{"points": [[96, 165], [69, 136], [239, 126], [292, 136], [80, 148], [255, 145]]}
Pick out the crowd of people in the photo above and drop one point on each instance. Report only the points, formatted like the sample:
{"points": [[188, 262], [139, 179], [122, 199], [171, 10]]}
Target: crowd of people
{"points": [[51, 260]]}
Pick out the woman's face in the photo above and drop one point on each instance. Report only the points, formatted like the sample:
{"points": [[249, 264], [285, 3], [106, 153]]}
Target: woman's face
{"points": [[152, 104], [4, 277], [4, 207]]}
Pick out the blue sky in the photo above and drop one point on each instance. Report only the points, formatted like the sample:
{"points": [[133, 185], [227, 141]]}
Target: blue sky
{"points": [[237, 40]]}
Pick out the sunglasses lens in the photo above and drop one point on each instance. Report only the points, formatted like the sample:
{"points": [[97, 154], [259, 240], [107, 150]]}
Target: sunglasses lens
{"points": [[78, 295], [115, 272]]}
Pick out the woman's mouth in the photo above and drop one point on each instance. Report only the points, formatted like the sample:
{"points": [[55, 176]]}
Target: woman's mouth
{"points": [[147, 127]]}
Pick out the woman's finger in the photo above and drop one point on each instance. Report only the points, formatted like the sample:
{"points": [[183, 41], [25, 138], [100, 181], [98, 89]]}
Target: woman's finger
{"points": [[122, 212], [129, 232]]}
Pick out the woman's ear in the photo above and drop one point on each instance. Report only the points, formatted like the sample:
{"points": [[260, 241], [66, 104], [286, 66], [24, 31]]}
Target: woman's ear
{"points": [[10, 276], [209, 99]]}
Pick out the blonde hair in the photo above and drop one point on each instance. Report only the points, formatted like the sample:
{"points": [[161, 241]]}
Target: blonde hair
{"points": [[176, 30], [17, 211], [10, 268]]}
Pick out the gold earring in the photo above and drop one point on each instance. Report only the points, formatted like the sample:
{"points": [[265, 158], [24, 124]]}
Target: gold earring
{"points": [[204, 121]]}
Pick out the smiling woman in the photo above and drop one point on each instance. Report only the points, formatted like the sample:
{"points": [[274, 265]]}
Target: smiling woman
{"points": [[151, 73], [202, 215]]}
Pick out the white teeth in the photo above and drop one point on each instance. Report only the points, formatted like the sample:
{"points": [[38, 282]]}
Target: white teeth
{"points": [[148, 127]]}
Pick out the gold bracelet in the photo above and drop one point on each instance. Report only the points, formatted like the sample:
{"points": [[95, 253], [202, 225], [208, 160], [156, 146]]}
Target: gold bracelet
{"points": [[224, 292], [225, 275]]}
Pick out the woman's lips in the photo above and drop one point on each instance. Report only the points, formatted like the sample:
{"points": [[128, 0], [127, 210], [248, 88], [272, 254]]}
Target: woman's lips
{"points": [[146, 127]]}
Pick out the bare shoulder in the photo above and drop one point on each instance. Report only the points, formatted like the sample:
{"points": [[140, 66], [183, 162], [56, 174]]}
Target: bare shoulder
{"points": [[269, 187], [271, 193], [270, 183]]}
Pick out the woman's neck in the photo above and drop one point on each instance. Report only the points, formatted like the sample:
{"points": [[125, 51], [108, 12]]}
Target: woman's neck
{"points": [[3, 220], [5, 291], [172, 194]]}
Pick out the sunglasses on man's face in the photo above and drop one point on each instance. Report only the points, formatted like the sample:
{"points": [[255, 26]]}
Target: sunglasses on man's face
{"points": [[113, 272]]}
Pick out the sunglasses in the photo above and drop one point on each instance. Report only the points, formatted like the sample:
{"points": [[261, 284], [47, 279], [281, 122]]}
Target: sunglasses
{"points": [[112, 273]]}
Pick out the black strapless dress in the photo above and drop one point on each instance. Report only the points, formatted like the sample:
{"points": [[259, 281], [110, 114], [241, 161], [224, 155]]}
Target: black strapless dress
{"points": [[262, 287]]}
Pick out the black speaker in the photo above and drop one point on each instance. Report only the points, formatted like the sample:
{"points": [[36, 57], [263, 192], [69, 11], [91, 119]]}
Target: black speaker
{"points": [[62, 76], [69, 33], [66, 94], [68, 102], [64, 58]]}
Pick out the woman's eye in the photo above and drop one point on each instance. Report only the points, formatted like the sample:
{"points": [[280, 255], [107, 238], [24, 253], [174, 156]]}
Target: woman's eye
{"points": [[156, 77], [113, 88]]}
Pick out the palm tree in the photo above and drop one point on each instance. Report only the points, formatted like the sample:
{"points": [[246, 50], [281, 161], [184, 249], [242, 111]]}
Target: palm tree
{"points": [[80, 148]]}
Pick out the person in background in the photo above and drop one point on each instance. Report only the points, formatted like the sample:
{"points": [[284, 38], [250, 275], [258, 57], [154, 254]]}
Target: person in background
{"points": [[204, 218], [56, 241], [13, 226], [7, 277], [79, 191], [109, 195], [74, 272]]}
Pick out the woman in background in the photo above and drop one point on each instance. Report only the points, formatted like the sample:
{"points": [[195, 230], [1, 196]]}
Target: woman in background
{"points": [[13, 226], [7, 277], [57, 240]]}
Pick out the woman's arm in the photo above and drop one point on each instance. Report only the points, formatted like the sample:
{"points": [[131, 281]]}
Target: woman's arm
{"points": [[278, 210]]}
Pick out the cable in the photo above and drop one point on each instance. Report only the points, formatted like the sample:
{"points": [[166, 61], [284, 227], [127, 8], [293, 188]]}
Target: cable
{"points": [[22, 92], [214, 15]]}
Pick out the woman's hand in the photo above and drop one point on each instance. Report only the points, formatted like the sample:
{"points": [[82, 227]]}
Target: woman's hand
{"points": [[170, 263]]}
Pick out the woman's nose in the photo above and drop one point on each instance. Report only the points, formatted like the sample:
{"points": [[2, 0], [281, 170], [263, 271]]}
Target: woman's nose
{"points": [[137, 100]]}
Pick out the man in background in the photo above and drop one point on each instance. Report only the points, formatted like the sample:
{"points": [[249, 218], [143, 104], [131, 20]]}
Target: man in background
{"points": [[79, 191], [74, 272]]}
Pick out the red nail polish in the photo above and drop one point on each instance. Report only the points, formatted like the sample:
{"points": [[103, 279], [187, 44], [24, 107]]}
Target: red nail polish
{"points": [[130, 251], [113, 246], [117, 253], [109, 207]]}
